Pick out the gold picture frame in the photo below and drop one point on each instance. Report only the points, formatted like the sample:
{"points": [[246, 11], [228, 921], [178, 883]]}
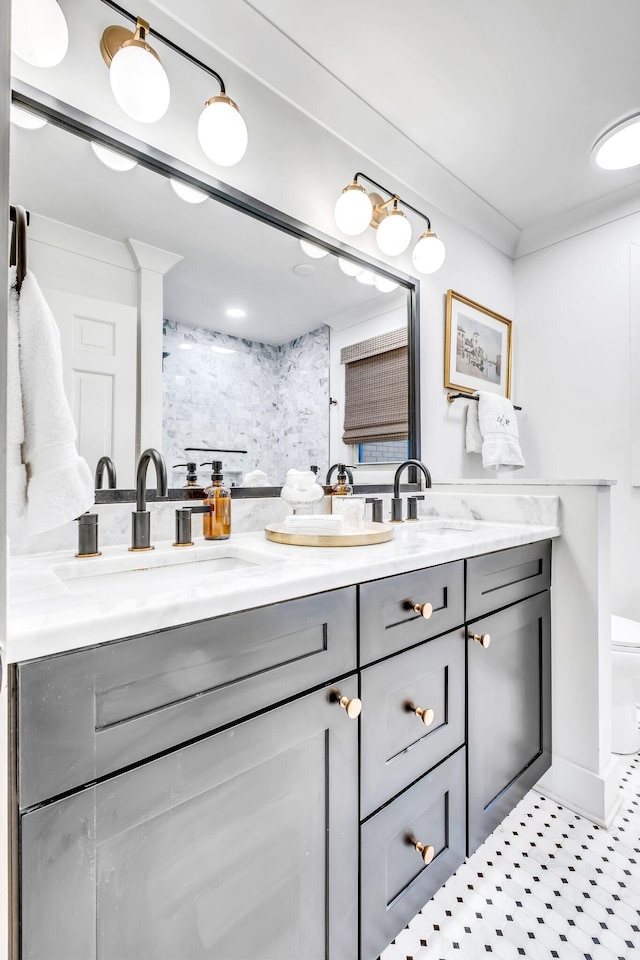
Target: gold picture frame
{"points": [[477, 347]]}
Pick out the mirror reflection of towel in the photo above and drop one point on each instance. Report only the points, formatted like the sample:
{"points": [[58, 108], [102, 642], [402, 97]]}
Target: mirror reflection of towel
{"points": [[492, 428]]}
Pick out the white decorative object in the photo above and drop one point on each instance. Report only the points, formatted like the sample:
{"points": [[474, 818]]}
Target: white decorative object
{"points": [[352, 509], [301, 490], [255, 478]]}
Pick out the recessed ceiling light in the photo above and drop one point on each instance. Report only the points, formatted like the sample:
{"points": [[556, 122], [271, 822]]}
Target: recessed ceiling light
{"points": [[619, 147], [24, 119], [236, 312], [187, 193], [113, 159], [304, 269], [313, 251]]}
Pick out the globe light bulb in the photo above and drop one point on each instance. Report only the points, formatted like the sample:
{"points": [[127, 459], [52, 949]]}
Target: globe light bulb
{"points": [[222, 132], [187, 193], [349, 267], [113, 159], [353, 210], [383, 284], [39, 33], [366, 277], [24, 119], [429, 253], [394, 233], [139, 83], [313, 251]]}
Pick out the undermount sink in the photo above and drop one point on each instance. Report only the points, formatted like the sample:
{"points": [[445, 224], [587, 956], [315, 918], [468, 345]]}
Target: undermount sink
{"points": [[165, 569]]}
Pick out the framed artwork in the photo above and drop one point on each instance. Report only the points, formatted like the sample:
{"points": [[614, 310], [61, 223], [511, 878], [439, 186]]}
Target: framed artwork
{"points": [[477, 347]]}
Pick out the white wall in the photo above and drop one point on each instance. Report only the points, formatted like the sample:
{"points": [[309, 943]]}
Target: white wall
{"points": [[573, 375]]}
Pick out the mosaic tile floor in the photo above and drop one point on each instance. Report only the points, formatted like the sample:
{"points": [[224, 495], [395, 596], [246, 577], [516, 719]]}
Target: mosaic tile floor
{"points": [[547, 884]]}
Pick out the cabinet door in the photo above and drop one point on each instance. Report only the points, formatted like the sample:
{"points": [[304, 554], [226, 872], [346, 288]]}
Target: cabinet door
{"points": [[509, 711], [241, 846]]}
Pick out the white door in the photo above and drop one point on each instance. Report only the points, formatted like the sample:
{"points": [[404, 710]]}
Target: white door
{"points": [[99, 367]]}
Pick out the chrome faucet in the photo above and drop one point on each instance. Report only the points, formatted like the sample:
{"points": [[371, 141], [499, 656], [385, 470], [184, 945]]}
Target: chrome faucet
{"points": [[396, 503], [141, 518], [105, 463]]}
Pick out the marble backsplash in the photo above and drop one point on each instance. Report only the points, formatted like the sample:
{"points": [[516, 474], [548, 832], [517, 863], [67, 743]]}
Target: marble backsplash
{"points": [[252, 514], [224, 391]]}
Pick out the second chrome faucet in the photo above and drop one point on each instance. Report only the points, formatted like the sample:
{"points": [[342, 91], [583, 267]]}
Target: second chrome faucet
{"points": [[140, 517]]}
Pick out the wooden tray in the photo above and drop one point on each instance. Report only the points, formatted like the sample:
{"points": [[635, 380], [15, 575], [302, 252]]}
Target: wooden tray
{"points": [[370, 533]]}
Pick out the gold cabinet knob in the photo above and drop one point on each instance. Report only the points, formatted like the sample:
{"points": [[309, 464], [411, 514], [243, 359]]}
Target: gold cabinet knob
{"points": [[426, 851], [353, 707], [424, 609], [484, 639], [426, 714]]}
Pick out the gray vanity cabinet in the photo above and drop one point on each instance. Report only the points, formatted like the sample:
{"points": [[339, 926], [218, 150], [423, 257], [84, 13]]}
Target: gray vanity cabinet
{"points": [[242, 846], [509, 710]]}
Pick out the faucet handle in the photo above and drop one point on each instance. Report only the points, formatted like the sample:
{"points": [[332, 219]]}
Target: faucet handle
{"points": [[88, 535], [183, 527], [412, 506], [376, 508]]}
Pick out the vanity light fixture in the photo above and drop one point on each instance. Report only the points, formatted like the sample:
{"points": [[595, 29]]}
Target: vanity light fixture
{"points": [[113, 159], [619, 147], [187, 193], [22, 118], [141, 87], [366, 277], [356, 210], [39, 33], [383, 284], [349, 268]]}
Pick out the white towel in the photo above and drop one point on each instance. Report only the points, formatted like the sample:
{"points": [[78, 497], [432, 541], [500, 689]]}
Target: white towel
{"points": [[322, 524], [16, 473], [59, 482], [499, 429], [473, 437]]}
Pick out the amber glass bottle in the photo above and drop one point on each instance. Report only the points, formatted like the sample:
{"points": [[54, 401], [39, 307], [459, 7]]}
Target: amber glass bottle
{"points": [[216, 523]]}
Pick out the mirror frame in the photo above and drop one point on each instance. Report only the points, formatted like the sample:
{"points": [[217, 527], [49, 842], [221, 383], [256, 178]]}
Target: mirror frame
{"points": [[90, 128]]}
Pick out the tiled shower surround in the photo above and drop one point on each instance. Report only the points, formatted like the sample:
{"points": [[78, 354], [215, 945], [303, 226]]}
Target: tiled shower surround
{"points": [[222, 391]]}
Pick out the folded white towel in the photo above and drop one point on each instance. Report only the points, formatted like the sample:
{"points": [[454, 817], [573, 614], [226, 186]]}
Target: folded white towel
{"points": [[323, 524], [499, 428], [473, 437], [59, 482], [16, 473]]}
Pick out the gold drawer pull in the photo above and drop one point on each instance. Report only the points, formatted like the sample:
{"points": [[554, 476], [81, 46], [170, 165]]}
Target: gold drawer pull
{"points": [[424, 609], [484, 639], [353, 707], [426, 714], [426, 852]]}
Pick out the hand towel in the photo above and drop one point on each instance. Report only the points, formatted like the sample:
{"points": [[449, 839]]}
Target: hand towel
{"points": [[59, 482], [321, 524], [499, 428], [473, 437], [16, 473]]}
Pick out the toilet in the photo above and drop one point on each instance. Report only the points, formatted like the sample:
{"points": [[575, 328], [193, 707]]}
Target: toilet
{"points": [[625, 672]]}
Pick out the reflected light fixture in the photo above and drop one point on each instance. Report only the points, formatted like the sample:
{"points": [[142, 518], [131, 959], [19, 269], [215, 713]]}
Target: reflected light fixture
{"points": [[39, 33], [22, 118], [187, 193], [313, 251], [349, 267], [384, 284], [113, 159], [141, 88], [235, 312], [366, 277], [356, 210], [619, 147]]}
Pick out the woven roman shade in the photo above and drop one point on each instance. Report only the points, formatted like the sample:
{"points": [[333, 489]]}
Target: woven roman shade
{"points": [[376, 388]]}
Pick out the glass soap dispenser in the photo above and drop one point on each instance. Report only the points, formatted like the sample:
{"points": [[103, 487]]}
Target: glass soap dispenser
{"points": [[216, 522], [342, 487]]}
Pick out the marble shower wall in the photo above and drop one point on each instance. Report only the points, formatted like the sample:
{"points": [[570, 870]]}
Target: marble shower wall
{"points": [[222, 391]]}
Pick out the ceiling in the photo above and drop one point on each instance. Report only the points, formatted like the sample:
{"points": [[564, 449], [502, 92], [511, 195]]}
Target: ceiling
{"points": [[507, 96]]}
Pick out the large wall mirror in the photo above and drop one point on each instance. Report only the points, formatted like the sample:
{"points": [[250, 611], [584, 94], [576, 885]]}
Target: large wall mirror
{"points": [[198, 321]]}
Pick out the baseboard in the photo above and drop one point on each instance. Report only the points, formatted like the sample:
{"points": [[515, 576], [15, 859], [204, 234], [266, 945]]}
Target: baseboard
{"points": [[595, 796]]}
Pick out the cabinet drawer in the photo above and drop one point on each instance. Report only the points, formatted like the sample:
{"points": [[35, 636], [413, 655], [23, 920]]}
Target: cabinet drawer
{"points": [[394, 882], [86, 714], [498, 579], [397, 744], [388, 622]]}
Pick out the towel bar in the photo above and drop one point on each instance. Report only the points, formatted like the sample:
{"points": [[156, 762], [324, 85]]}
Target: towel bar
{"points": [[469, 396]]}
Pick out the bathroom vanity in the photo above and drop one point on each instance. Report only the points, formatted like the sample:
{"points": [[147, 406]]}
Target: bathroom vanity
{"points": [[209, 787]]}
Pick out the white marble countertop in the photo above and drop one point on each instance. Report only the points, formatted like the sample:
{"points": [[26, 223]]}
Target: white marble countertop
{"points": [[58, 603]]}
